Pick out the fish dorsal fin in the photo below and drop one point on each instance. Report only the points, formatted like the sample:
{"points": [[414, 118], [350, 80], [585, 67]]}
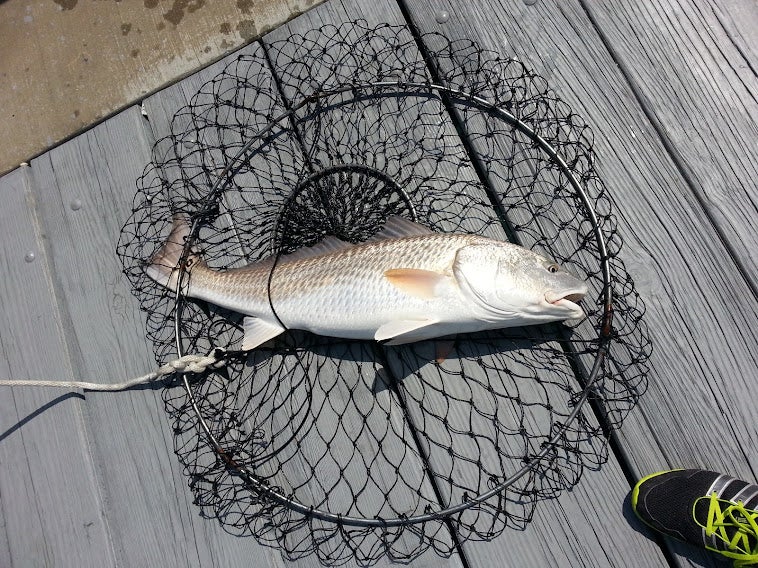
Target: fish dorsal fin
{"points": [[325, 246], [258, 331], [416, 282], [396, 227]]}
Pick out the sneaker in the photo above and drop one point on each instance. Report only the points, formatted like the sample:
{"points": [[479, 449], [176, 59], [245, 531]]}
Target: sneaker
{"points": [[703, 508]]}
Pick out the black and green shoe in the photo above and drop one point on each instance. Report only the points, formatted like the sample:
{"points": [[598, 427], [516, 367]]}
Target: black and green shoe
{"points": [[703, 508]]}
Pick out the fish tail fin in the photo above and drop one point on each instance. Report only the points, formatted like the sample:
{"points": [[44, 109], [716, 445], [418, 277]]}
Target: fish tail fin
{"points": [[164, 264]]}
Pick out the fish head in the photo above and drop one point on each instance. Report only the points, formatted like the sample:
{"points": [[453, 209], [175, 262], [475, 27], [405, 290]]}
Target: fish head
{"points": [[509, 282]]}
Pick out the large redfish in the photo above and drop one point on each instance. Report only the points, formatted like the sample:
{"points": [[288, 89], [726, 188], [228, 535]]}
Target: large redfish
{"points": [[407, 283]]}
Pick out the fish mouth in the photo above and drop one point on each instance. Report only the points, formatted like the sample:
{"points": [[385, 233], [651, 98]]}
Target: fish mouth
{"points": [[568, 301]]}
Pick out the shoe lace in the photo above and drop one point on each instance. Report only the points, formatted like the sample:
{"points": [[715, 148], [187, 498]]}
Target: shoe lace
{"points": [[736, 526]]}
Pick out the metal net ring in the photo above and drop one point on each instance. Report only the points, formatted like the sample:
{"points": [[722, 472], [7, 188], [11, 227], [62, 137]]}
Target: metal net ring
{"points": [[328, 133]]}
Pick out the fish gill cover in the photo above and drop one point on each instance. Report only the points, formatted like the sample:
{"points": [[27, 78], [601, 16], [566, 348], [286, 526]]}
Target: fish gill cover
{"points": [[345, 448]]}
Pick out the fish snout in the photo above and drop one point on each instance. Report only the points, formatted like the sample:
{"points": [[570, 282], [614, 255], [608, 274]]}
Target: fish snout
{"points": [[569, 301]]}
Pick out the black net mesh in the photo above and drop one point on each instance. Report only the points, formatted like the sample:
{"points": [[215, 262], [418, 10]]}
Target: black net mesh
{"points": [[351, 449]]}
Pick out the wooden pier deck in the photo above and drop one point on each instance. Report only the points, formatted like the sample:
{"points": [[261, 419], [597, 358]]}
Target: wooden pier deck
{"points": [[671, 93]]}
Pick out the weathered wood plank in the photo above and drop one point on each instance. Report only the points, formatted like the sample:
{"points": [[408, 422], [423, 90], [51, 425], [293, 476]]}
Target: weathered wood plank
{"points": [[691, 64], [51, 507], [408, 138], [152, 519], [703, 356]]}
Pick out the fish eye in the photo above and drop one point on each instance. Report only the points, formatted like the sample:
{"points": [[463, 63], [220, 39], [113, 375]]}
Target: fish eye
{"points": [[553, 268]]}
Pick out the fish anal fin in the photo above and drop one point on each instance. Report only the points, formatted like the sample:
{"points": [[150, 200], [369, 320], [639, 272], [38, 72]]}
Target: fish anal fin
{"points": [[404, 331], [418, 283], [443, 348], [258, 331]]}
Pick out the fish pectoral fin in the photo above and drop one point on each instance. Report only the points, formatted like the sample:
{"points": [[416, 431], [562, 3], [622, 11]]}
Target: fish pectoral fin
{"points": [[416, 282], [258, 331], [404, 331]]}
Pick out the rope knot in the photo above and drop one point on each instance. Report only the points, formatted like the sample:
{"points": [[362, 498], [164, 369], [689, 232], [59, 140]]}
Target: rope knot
{"points": [[193, 363]]}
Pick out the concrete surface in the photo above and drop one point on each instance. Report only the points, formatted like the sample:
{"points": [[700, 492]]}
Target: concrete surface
{"points": [[67, 64]]}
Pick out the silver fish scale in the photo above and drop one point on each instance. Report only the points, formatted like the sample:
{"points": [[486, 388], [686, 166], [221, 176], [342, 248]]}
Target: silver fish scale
{"points": [[344, 289]]}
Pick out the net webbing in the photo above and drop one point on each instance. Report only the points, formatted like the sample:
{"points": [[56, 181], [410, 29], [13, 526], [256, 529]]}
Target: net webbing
{"points": [[328, 133]]}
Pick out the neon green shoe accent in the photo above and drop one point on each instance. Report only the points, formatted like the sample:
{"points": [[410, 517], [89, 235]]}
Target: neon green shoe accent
{"points": [[734, 525]]}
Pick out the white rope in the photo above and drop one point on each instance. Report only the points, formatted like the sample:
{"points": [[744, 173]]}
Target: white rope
{"points": [[185, 364]]}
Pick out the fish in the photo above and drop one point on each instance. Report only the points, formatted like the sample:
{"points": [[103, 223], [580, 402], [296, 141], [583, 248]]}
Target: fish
{"points": [[405, 284]]}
